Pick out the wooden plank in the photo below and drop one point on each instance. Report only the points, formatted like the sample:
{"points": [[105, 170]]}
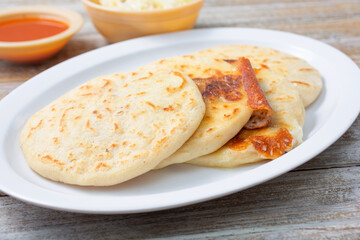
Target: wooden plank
{"points": [[344, 152], [329, 21], [306, 204], [7, 87]]}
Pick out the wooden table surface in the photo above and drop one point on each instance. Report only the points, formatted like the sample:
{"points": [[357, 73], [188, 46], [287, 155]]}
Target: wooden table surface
{"points": [[320, 199]]}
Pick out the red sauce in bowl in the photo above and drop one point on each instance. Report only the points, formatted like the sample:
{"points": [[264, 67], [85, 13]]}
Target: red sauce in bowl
{"points": [[27, 29]]}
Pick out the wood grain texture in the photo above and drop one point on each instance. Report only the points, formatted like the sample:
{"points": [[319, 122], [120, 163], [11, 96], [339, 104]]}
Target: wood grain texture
{"points": [[320, 199], [312, 203], [345, 152]]}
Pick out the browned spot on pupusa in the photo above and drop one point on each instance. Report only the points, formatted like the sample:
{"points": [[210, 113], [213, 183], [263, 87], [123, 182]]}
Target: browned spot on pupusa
{"points": [[285, 98], [271, 146], [301, 83], [85, 87], [183, 82], [224, 86], [231, 61], [210, 130], [100, 165], [63, 118], [264, 66], [169, 108], [33, 128], [107, 83], [143, 78], [184, 94], [89, 126], [192, 101], [258, 70], [114, 145], [87, 94], [51, 159], [107, 155], [162, 140], [150, 104], [188, 56]]}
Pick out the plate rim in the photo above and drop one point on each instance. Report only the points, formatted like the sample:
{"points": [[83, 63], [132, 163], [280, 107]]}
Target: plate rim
{"points": [[198, 196]]}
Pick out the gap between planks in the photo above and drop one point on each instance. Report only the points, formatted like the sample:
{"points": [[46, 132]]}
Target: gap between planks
{"points": [[297, 204]]}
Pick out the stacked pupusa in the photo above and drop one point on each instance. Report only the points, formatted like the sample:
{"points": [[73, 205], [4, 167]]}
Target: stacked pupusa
{"points": [[209, 108], [288, 83]]}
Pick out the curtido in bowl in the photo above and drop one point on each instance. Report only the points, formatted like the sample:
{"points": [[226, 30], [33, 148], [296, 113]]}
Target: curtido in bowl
{"points": [[119, 20]]}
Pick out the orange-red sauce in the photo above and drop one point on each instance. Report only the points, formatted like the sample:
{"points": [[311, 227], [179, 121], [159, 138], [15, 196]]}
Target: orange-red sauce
{"points": [[27, 29]]}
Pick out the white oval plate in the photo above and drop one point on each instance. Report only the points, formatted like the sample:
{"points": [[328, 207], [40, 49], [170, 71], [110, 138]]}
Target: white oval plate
{"points": [[326, 120]]}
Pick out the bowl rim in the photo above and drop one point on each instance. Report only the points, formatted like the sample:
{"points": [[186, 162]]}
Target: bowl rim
{"points": [[91, 4], [76, 21]]}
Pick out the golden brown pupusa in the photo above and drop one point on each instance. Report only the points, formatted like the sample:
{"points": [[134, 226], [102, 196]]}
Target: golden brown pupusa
{"points": [[282, 134], [113, 128], [231, 96]]}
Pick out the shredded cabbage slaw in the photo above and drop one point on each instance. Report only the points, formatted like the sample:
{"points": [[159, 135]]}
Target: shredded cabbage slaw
{"points": [[143, 5]]}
